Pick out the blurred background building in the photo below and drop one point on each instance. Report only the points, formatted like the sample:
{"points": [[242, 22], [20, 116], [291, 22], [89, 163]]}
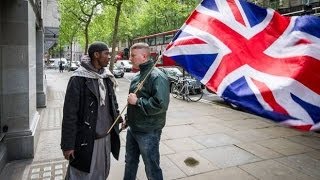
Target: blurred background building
{"points": [[292, 7]]}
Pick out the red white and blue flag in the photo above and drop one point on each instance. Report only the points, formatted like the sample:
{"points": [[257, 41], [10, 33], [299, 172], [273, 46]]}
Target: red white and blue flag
{"points": [[254, 58]]}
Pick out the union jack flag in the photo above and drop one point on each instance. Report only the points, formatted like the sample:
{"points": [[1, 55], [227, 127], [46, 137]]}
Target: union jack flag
{"points": [[254, 58]]}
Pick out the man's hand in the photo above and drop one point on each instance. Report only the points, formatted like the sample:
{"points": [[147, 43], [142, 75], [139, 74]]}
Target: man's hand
{"points": [[69, 153], [124, 125], [132, 99]]}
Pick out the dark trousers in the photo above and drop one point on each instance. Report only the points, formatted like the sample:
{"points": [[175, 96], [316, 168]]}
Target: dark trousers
{"points": [[146, 144]]}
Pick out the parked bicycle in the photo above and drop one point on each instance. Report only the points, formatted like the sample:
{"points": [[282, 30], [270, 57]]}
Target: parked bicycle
{"points": [[184, 89]]}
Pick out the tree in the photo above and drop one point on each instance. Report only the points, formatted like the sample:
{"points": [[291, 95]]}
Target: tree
{"points": [[158, 16], [117, 4], [107, 24], [83, 12], [68, 31], [114, 20]]}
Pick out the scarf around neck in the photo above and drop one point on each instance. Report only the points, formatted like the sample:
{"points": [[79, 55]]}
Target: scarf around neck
{"points": [[88, 71]]}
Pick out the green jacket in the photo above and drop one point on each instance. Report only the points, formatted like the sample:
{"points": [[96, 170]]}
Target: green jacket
{"points": [[153, 99]]}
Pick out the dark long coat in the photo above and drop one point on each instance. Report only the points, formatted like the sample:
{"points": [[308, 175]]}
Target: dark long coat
{"points": [[80, 118]]}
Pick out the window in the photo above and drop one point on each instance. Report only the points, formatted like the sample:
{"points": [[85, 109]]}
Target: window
{"points": [[152, 41], [168, 38], [159, 39]]}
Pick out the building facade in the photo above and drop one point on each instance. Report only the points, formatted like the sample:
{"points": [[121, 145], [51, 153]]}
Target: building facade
{"points": [[292, 7], [22, 82]]}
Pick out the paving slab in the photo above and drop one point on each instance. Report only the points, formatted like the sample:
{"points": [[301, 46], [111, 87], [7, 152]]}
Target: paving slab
{"points": [[314, 154], [247, 123], [164, 149], [180, 121], [251, 135], [214, 140], [191, 169], [232, 173], [259, 151], [231, 115], [284, 146], [183, 144], [227, 156], [273, 170], [307, 139], [53, 170], [170, 170], [217, 111], [51, 118], [303, 163], [212, 127], [116, 171], [277, 132], [49, 146], [174, 132]]}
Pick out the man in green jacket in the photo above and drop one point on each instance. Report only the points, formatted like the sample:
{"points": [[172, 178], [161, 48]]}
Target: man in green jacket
{"points": [[146, 115]]}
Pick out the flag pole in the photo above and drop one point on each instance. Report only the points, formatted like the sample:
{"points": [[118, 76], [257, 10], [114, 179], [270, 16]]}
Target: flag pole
{"points": [[140, 85]]}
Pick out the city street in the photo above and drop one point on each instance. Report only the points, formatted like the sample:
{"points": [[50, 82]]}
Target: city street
{"points": [[202, 140]]}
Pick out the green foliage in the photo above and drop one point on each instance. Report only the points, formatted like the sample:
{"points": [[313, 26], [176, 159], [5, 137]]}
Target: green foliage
{"points": [[159, 16], [86, 21]]}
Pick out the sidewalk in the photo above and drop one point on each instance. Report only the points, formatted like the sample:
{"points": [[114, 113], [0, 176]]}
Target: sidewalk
{"points": [[200, 141]]}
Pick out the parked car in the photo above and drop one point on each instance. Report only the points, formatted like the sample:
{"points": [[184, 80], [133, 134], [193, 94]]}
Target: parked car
{"points": [[174, 74], [118, 72], [125, 64], [73, 66], [50, 65]]}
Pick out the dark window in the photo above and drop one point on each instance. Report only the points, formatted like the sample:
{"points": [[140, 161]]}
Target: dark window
{"points": [[159, 40], [168, 38], [152, 41]]}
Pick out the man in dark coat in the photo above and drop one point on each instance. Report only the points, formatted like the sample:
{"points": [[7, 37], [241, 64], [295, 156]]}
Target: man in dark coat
{"points": [[90, 109]]}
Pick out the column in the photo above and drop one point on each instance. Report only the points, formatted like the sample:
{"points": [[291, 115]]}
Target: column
{"points": [[41, 87]]}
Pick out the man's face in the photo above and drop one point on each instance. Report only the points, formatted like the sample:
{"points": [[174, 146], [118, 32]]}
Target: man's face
{"points": [[103, 58], [137, 57]]}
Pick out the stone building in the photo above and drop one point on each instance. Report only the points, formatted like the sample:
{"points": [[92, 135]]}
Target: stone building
{"points": [[22, 82]]}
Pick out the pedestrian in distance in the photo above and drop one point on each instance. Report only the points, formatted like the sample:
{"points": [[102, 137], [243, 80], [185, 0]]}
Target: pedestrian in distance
{"points": [[146, 115], [61, 67], [90, 109]]}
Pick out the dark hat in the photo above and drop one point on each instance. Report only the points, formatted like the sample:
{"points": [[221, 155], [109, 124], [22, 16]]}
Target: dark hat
{"points": [[97, 47]]}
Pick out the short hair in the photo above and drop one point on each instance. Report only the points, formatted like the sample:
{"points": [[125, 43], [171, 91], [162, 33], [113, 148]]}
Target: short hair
{"points": [[97, 47], [141, 46]]}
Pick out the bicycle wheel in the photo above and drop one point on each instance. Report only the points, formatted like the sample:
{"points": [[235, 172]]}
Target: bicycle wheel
{"points": [[195, 95], [175, 90]]}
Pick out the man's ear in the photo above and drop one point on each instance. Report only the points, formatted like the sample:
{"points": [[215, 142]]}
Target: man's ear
{"points": [[96, 54]]}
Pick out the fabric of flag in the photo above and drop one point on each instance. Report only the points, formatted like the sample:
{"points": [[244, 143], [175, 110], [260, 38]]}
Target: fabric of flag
{"points": [[254, 58]]}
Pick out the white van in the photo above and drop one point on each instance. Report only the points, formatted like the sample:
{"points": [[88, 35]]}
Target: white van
{"points": [[125, 64], [57, 62]]}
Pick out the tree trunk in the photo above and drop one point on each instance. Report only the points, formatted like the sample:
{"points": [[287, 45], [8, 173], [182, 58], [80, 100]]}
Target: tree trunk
{"points": [[87, 38], [114, 36]]}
